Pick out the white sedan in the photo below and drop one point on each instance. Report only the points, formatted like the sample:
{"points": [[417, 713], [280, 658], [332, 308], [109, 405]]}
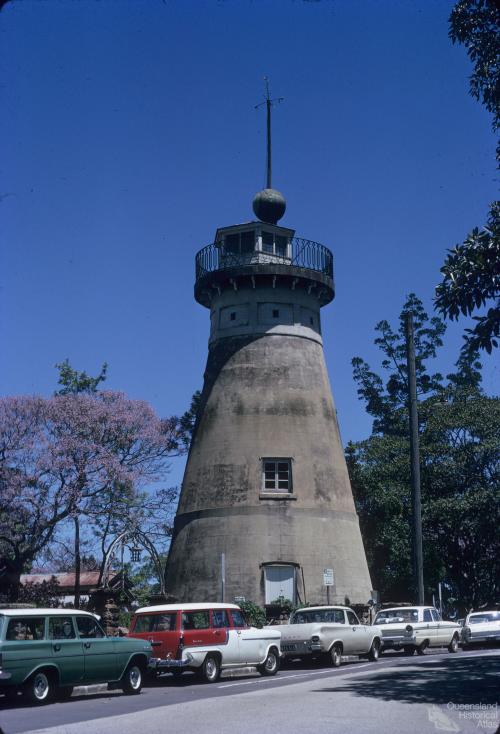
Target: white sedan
{"points": [[329, 632], [415, 629], [481, 627]]}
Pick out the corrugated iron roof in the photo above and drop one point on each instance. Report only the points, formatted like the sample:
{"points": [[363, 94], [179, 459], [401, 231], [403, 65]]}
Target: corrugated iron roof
{"points": [[88, 579]]}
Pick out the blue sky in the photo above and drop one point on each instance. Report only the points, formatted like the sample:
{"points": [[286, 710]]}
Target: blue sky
{"points": [[129, 135]]}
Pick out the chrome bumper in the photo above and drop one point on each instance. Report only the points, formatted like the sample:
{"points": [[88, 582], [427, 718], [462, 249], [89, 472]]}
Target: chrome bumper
{"points": [[481, 637], [170, 664], [397, 641], [301, 647]]}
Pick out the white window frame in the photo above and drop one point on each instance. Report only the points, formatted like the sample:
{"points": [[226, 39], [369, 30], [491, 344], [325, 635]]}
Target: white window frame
{"points": [[276, 489]]}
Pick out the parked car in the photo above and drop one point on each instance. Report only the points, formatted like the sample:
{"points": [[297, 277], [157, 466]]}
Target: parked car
{"points": [[481, 628], [416, 628], [205, 638], [329, 632], [44, 653]]}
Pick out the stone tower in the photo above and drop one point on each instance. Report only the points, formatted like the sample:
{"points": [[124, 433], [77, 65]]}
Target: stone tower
{"points": [[266, 493]]}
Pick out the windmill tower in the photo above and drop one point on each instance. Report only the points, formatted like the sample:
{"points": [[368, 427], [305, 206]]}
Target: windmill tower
{"points": [[266, 504]]}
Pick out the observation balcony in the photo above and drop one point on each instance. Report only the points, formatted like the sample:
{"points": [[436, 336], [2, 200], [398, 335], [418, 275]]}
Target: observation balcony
{"points": [[280, 261]]}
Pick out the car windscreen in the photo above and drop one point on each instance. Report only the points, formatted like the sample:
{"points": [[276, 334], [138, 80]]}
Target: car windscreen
{"points": [[484, 617], [390, 616], [335, 616]]}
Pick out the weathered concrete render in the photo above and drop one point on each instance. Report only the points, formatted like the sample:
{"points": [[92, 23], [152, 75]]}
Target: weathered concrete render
{"points": [[266, 394]]}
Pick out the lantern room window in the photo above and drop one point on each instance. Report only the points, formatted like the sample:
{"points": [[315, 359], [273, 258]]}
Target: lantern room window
{"points": [[268, 242], [240, 243], [274, 244]]}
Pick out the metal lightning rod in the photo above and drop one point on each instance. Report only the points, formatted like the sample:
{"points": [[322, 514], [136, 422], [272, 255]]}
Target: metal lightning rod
{"points": [[269, 103]]}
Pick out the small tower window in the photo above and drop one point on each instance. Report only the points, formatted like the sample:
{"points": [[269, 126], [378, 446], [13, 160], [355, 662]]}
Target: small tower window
{"points": [[247, 242], [277, 475], [240, 243], [276, 313], [232, 243], [280, 246], [274, 244], [232, 316], [268, 242]]}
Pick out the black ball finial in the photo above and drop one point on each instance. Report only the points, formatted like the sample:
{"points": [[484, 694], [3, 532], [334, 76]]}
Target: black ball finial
{"points": [[269, 205]]}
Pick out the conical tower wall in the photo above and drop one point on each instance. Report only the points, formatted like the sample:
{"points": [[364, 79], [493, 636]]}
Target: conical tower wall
{"points": [[267, 396]]}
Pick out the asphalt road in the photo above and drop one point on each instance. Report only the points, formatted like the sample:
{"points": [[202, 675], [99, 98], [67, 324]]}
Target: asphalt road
{"points": [[435, 692]]}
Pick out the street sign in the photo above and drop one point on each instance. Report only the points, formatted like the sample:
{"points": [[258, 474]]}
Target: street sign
{"points": [[239, 599], [328, 579]]}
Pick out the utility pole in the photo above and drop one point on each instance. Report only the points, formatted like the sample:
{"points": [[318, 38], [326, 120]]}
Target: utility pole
{"points": [[414, 460], [223, 576]]}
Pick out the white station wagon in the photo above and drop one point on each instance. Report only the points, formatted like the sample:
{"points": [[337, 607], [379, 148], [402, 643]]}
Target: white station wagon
{"points": [[416, 628], [329, 632], [481, 627], [205, 638]]}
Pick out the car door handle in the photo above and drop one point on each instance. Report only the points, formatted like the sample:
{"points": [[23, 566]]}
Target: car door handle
{"points": [[86, 644], [57, 648]]}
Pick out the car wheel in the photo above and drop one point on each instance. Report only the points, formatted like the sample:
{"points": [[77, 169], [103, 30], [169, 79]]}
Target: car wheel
{"points": [[271, 664], [421, 648], [336, 656], [409, 650], [131, 681], [374, 651], [64, 693], [210, 670], [40, 688], [453, 646]]}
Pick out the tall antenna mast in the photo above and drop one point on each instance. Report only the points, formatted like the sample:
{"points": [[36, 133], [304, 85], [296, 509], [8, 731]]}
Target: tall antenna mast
{"points": [[269, 103]]}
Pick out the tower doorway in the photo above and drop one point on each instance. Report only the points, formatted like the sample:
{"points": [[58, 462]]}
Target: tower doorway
{"points": [[279, 581]]}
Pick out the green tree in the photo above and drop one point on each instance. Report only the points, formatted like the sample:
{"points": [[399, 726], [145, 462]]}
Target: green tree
{"points": [[255, 615], [471, 272], [120, 507], [187, 421], [59, 456], [74, 382], [45, 594], [460, 471]]}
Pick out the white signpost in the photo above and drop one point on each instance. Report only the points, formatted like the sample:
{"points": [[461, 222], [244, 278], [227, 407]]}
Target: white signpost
{"points": [[328, 577], [328, 580]]}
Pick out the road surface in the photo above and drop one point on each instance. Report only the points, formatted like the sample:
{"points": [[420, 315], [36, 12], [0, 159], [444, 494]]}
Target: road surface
{"points": [[437, 692]]}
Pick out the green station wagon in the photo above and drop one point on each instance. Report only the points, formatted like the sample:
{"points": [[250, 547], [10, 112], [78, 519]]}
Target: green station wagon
{"points": [[44, 653]]}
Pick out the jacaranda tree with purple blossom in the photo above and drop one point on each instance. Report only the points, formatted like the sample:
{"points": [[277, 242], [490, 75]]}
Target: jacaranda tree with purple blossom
{"points": [[58, 455]]}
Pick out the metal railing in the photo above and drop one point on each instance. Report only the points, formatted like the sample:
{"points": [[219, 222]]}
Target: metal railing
{"points": [[304, 254]]}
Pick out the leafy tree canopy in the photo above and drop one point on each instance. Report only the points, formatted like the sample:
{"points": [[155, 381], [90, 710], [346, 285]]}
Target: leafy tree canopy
{"points": [[471, 272], [73, 382], [44, 594], [471, 280], [66, 455], [460, 471], [476, 25]]}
